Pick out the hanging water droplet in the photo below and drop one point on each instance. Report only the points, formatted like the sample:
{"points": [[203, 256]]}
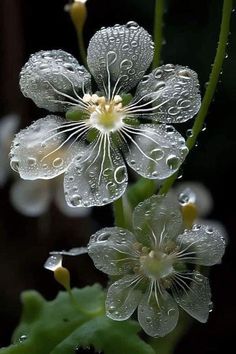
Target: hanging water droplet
{"points": [[22, 338], [132, 25], [210, 306], [172, 162]]}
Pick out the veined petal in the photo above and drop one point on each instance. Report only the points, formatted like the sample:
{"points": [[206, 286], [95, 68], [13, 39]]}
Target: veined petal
{"points": [[157, 219], [173, 92], [156, 151], [38, 151], [206, 241], [64, 207], [157, 313], [53, 80], [112, 251], [8, 127], [123, 297], [30, 198], [97, 177], [196, 300], [119, 56]]}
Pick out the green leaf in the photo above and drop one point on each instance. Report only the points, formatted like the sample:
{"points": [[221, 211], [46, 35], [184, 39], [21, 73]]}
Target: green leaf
{"points": [[70, 321]]}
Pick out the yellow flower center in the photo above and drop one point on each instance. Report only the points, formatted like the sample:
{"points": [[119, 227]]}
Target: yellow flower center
{"points": [[106, 116]]}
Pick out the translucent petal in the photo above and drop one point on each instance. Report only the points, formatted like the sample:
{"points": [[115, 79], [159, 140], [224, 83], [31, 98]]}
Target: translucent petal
{"points": [[123, 297], [174, 89], [157, 220], [156, 151], [122, 52], [157, 314], [112, 250], [197, 193], [35, 151], [8, 127], [30, 198], [207, 242], [197, 300], [48, 75], [53, 262], [77, 251], [64, 207], [97, 177]]}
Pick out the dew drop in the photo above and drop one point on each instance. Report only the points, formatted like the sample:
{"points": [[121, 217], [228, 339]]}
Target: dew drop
{"points": [[189, 133], [15, 165], [31, 161], [172, 162], [75, 199], [157, 154], [58, 162], [22, 338], [210, 306], [120, 175], [132, 25]]}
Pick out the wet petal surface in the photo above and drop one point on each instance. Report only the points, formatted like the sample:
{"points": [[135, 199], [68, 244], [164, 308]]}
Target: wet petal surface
{"points": [[112, 251], [38, 151], [196, 300], [157, 220], [64, 207], [50, 78], [123, 297], [97, 176], [173, 92], [157, 314], [120, 54], [156, 151], [205, 241]]}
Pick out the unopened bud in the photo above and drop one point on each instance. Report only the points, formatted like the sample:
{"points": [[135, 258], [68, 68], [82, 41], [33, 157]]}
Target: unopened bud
{"points": [[78, 13]]}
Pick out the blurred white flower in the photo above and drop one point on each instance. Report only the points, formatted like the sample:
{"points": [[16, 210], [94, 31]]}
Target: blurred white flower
{"points": [[156, 266], [8, 127], [106, 127], [30, 198], [196, 195]]}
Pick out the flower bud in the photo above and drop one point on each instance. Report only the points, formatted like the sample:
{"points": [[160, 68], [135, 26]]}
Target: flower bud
{"points": [[78, 13]]}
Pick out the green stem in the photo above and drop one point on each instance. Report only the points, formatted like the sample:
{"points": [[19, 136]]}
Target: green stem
{"points": [[158, 31], [213, 79], [83, 54], [119, 213]]}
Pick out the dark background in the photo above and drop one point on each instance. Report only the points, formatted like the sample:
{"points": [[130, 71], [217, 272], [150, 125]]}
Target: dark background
{"points": [[191, 34]]}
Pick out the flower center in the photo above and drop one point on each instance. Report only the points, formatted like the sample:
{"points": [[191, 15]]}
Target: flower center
{"points": [[106, 116], [157, 265]]}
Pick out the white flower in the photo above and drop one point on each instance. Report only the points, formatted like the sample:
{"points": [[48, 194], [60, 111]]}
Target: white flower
{"points": [[8, 126], [156, 266], [30, 198], [107, 126], [194, 194]]}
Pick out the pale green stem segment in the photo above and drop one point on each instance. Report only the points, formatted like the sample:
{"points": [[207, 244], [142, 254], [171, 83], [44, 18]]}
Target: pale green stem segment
{"points": [[167, 344], [213, 79], [82, 50], [158, 31], [119, 215]]}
